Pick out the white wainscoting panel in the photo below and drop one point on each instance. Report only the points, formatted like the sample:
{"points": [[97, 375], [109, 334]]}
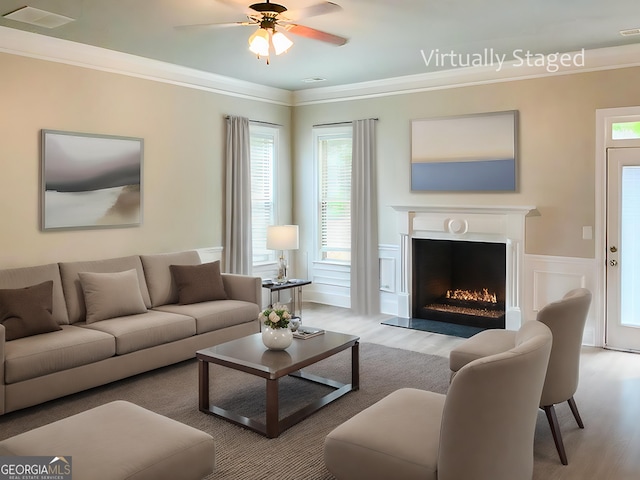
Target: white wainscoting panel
{"points": [[548, 278], [389, 258], [331, 281], [209, 254], [331, 284]]}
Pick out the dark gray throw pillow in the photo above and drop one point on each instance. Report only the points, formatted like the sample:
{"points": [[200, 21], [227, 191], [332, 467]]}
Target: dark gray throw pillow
{"points": [[27, 311], [198, 283]]}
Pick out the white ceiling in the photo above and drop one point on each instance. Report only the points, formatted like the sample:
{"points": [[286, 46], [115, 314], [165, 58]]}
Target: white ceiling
{"points": [[385, 38]]}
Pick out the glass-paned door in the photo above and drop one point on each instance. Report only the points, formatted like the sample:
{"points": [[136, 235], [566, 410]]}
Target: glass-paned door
{"points": [[623, 248]]}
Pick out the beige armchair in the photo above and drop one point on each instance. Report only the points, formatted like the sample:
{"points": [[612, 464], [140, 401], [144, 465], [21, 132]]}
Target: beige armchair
{"points": [[482, 429], [566, 319]]}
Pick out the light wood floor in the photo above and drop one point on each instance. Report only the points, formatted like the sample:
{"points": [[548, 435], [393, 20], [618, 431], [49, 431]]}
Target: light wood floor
{"points": [[608, 398]]}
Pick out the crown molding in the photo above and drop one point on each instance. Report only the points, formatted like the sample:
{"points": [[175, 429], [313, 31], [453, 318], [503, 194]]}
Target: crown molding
{"points": [[594, 60], [28, 44]]}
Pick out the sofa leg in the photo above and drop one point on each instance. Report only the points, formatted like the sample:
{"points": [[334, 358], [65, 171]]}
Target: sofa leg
{"points": [[555, 430], [574, 410]]}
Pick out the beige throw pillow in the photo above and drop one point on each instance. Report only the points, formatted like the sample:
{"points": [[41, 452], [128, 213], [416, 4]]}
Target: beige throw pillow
{"points": [[198, 283], [111, 295], [27, 311]]}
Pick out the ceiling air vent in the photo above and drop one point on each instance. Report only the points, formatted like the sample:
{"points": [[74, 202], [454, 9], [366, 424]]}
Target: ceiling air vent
{"points": [[314, 79], [630, 32], [40, 18]]}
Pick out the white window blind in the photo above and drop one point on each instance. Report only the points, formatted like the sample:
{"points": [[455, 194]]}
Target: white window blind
{"points": [[263, 161], [334, 161]]}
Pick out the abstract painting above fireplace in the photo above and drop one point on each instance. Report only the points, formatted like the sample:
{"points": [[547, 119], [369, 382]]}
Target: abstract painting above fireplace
{"points": [[465, 153]]}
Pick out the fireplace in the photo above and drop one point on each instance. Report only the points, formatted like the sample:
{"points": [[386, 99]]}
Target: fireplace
{"points": [[461, 230], [459, 282]]}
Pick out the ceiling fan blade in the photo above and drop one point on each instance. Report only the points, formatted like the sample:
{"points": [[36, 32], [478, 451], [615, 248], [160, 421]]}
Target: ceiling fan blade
{"points": [[207, 26], [313, 10], [314, 34]]}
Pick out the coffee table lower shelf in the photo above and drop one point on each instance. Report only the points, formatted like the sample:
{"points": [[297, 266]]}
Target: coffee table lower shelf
{"points": [[277, 424], [274, 425]]}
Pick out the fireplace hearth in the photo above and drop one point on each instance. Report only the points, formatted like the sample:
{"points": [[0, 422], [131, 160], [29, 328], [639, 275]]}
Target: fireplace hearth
{"points": [[459, 282]]}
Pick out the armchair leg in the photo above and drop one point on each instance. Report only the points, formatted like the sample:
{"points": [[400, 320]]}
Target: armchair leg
{"points": [[555, 431], [574, 410]]}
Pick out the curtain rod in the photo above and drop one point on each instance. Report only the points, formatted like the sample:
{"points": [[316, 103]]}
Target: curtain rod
{"points": [[258, 121], [338, 123]]}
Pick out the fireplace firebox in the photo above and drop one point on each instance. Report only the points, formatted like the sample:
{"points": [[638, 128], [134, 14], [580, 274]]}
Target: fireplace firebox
{"points": [[460, 282]]}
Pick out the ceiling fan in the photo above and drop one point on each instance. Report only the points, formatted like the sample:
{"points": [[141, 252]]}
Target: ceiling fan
{"points": [[272, 21]]}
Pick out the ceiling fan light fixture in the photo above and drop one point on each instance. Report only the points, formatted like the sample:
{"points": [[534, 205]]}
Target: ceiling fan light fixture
{"points": [[280, 42], [259, 42]]}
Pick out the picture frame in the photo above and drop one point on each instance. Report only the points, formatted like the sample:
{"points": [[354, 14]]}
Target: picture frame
{"points": [[90, 180], [470, 153]]}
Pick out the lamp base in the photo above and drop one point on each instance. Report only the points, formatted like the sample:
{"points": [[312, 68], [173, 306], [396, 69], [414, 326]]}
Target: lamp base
{"points": [[282, 270]]}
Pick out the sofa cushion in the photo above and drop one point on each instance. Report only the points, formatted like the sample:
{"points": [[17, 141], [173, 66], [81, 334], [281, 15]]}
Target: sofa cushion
{"points": [[217, 314], [110, 295], [27, 311], [72, 288], [24, 277], [198, 283], [39, 355], [162, 288], [136, 332]]}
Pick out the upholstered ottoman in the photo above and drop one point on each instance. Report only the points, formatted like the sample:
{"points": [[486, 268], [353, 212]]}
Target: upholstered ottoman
{"points": [[120, 440]]}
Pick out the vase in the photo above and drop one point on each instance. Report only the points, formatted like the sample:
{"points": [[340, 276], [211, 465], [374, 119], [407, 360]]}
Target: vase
{"points": [[276, 338]]}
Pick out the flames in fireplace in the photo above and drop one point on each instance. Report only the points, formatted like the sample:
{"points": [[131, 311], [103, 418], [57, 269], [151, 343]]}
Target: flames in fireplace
{"points": [[473, 295], [474, 303]]}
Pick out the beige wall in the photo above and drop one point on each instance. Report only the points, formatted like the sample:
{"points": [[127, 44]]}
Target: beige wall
{"points": [[556, 150], [183, 131], [183, 172]]}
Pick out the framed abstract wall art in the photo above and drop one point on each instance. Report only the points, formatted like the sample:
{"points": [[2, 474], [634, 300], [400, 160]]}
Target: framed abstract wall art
{"points": [[465, 153], [90, 181]]}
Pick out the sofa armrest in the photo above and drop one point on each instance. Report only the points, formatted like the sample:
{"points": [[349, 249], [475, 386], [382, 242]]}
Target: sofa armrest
{"points": [[243, 287], [2, 392]]}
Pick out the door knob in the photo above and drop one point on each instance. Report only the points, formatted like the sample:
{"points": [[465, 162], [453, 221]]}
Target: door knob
{"points": [[613, 263]]}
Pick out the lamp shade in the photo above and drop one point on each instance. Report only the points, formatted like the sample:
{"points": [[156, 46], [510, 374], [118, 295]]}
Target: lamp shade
{"points": [[282, 237]]}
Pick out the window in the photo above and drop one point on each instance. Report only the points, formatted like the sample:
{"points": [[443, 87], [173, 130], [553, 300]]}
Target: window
{"points": [[333, 153], [625, 130], [264, 141]]}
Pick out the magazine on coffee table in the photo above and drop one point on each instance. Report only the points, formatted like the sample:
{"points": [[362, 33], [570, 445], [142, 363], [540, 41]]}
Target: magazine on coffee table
{"points": [[307, 332]]}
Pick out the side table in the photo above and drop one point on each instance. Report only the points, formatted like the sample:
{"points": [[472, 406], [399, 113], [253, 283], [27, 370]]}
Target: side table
{"points": [[296, 295]]}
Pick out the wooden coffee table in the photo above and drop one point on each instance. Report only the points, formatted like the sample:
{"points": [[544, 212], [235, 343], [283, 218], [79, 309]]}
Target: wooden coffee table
{"points": [[248, 354]]}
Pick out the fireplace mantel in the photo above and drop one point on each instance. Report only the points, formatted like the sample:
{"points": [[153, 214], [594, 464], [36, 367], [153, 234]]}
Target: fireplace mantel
{"points": [[527, 211], [505, 224]]}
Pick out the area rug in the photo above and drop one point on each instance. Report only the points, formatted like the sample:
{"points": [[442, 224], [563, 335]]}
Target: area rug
{"points": [[297, 454]]}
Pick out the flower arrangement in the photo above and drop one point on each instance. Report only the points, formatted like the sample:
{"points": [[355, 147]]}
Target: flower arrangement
{"points": [[277, 316]]}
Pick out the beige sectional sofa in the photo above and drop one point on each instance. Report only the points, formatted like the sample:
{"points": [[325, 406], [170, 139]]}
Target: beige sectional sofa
{"points": [[109, 329]]}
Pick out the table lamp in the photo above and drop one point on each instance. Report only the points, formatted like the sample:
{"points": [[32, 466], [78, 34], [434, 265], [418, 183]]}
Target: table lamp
{"points": [[282, 237]]}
